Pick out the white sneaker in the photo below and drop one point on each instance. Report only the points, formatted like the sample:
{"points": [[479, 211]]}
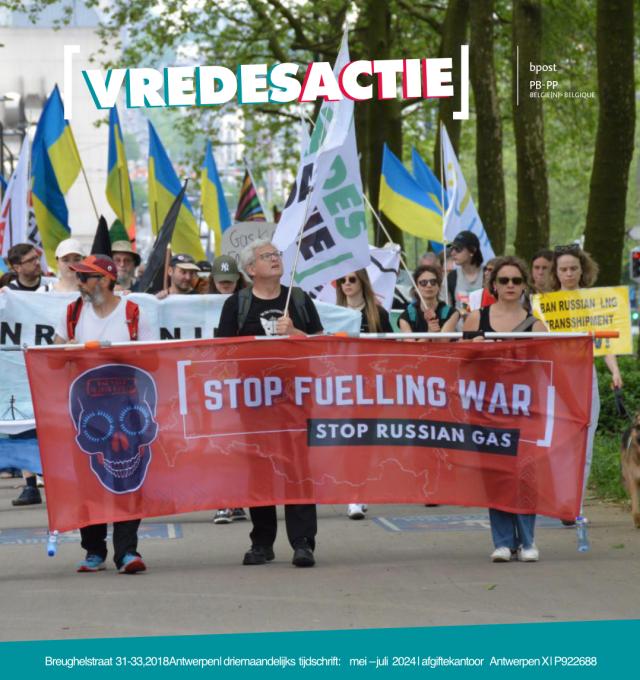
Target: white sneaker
{"points": [[501, 555], [528, 554], [356, 510]]}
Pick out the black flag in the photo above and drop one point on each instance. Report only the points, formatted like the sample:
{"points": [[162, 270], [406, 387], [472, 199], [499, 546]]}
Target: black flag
{"points": [[101, 241], [152, 280]]}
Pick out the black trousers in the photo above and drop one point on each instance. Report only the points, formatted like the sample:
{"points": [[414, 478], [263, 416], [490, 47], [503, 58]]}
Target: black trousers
{"points": [[301, 522], [125, 539]]}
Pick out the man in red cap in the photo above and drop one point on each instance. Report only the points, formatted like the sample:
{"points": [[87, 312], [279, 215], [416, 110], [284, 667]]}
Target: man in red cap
{"points": [[99, 314]]}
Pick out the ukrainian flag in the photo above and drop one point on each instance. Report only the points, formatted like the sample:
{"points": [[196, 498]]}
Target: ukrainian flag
{"points": [[119, 191], [52, 216], [427, 180], [55, 134], [55, 164], [405, 202], [164, 186], [214, 207]]}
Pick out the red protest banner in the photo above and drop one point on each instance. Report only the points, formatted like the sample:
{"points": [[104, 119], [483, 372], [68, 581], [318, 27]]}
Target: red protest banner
{"points": [[164, 428]]}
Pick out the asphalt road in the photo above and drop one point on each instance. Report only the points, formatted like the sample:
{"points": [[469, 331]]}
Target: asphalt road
{"points": [[402, 566]]}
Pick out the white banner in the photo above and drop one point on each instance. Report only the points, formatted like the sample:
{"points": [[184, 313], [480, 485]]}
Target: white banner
{"points": [[461, 214], [31, 318], [383, 274]]}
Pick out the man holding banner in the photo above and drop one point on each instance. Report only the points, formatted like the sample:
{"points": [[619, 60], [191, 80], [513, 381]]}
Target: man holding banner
{"points": [[100, 315], [259, 311]]}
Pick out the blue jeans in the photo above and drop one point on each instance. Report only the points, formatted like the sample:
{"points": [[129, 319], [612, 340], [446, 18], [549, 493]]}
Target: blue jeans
{"points": [[509, 530]]}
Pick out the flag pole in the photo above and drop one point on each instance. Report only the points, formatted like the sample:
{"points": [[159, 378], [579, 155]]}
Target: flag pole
{"points": [[298, 246], [165, 275], [93, 203], [384, 229], [445, 278]]}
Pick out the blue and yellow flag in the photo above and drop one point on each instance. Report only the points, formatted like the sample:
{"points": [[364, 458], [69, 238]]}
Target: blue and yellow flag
{"points": [[119, 191], [405, 202], [55, 164], [52, 216], [427, 180], [214, 207], [164, 186], [55, 134]]}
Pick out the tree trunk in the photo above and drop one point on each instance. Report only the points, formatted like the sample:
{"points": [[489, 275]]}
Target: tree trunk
{"points": [[491, 193], [532, 230], [454, 34], [605, 228], [384, 121]]}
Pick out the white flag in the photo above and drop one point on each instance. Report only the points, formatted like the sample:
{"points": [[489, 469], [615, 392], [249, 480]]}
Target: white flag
{"points": [[383, 274], [328, 191], [461, 214], [14, 213]]}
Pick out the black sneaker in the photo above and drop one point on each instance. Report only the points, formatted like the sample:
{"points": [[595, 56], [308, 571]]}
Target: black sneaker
{"points": [[258, 554], [238, 514], [303, 556], [29, 496]]}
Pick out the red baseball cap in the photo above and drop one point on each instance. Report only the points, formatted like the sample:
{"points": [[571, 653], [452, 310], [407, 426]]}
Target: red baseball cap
{"points": [[97, 264]]}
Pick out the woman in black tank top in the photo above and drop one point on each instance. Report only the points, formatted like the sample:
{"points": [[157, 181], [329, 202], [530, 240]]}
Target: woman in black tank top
{"points": [[513, 534]]}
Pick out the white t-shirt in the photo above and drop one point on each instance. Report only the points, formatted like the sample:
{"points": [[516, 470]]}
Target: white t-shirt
{"points": [[112, 328]]}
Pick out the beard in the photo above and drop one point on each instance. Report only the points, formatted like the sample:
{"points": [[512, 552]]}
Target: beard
{"points": [[95, 298]]}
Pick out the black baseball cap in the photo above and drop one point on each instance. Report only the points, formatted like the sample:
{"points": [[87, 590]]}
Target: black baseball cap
{"points": [[465, 239], [184, 261]]}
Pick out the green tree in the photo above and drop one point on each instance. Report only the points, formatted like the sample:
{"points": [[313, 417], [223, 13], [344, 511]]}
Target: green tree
{"points": [[532, 230], [491, 192], [605, 228]]}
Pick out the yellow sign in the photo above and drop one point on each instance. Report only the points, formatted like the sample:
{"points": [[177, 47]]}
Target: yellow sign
{"points": [[589, 309]]}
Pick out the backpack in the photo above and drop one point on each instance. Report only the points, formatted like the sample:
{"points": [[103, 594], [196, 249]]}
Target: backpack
{"points": [[443, 314], [298, 298], [132, 313], [452, 281]]}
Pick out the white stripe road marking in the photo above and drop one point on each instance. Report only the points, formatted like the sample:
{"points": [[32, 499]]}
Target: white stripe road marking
{"points": [[389, 524]]}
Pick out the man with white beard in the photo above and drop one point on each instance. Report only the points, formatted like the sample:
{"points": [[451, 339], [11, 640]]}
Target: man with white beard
{"points": [[101, 315]]}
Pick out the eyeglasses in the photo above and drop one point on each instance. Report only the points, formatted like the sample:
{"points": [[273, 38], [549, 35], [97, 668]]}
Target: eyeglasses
{"points": [[488, 270], [347, 279], [274, 255], [569, 249], [83, 277], [456, 249], [506, 280], [423, 283], [31, 260]]}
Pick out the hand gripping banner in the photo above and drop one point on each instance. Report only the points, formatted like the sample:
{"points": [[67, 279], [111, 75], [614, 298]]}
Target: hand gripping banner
{"points": [[163, 428]]}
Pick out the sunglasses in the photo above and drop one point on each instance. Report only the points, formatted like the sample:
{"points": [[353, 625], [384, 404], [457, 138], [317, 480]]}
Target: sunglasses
{"points": [[83, 277], [506, 280], [423, 283], [347, 279], [488, 269], [569, 249]]}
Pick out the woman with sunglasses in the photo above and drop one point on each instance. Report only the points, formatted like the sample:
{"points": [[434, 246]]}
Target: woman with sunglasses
{"points": [[513, 534], [429, 314], [355, 292], [571, 269]]}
